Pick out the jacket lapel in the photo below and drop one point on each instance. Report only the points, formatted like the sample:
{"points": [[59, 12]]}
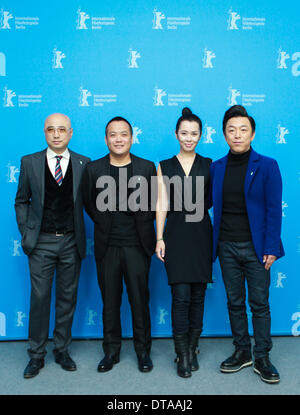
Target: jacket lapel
{"points": [[38, 164], [134, 164], [77, 166], [251, 170], [219, 180]]}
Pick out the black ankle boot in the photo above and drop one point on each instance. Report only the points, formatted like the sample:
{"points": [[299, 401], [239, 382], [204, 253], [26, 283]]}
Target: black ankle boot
{"points": [[266, 370], [182, 351], [193, 348]]}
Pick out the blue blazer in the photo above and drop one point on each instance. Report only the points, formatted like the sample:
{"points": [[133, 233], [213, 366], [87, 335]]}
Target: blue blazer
{"points": [[263, 196]]}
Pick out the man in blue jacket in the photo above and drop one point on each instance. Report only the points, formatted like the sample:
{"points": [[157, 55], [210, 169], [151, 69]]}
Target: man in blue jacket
{"points": [[246, 190]]}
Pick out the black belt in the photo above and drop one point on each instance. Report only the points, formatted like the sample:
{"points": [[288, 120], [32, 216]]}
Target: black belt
{"points": [[58, 233]]}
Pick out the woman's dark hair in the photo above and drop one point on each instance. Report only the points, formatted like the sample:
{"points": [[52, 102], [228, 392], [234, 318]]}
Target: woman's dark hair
{"points": [[118, 119], [237, 111], [187, 115]]}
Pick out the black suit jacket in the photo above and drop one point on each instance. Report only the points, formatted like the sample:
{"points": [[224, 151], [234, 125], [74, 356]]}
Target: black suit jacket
{"points": [[29, 201], [103, 220]]}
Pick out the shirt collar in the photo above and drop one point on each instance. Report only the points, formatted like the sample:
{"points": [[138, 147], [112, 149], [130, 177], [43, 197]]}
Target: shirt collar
{"points": [[51, 154]]}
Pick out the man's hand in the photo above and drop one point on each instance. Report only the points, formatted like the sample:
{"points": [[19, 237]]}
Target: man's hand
{"points": [[268, 261]]}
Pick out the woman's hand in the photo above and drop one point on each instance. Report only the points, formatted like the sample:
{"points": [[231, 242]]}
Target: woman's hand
{"points": [[160, 250]]}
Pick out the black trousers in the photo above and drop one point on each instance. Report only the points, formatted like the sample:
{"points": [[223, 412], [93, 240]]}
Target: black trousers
{"points": [[52, 253], [239, 264], [187, 307], [132, 263]]}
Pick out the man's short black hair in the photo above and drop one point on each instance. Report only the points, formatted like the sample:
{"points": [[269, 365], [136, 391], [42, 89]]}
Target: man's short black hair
{"points": [[119, 119], [237, 111]]}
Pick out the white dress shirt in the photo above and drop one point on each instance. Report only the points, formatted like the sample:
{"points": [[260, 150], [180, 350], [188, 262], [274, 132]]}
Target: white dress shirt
{"points": [[63, 162]]}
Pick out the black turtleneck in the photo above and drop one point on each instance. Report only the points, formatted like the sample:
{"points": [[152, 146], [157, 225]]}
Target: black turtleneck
{"points": [[234, 223]]}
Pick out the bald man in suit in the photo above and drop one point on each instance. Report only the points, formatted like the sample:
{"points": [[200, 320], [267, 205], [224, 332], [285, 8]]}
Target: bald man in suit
{"points": [[49, 214]]}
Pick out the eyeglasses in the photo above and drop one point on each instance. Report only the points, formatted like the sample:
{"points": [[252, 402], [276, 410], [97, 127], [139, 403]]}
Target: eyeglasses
{"points": [[61, 130]]}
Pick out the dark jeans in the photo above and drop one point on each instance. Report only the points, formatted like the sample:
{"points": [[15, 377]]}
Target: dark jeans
{"points": [[132, 263], [239, 263], [187, 307]]}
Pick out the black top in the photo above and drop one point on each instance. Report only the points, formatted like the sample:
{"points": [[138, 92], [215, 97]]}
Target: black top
{"points": [[188, 256], [143, 218], [58, 215], [123, 229], [234, 223]]}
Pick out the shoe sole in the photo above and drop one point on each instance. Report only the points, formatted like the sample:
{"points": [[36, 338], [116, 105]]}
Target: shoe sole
{"points": [[73, 369], [146, 370], [265, 380], [236, 370], [184, 377], [31, 376]]}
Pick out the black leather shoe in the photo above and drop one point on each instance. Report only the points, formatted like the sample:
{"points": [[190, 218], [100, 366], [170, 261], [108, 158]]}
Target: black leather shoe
{"points": [[33, 368], [266, 370], [65, 361], [145, 363], [236, 362], [107, 362]]}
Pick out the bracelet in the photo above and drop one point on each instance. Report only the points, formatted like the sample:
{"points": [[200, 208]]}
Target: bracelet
{"points": [[161, 239]]}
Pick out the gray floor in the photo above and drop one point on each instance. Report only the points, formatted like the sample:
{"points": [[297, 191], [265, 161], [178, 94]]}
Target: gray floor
{"points": [[125, 379]]}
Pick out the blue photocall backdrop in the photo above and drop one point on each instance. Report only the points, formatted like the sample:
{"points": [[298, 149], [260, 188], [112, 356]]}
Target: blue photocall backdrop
{"points": [[145, 60]]}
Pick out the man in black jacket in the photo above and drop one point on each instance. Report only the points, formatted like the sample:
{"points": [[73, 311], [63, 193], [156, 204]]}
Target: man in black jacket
{"points": [[124, 238], [50, 219]]}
